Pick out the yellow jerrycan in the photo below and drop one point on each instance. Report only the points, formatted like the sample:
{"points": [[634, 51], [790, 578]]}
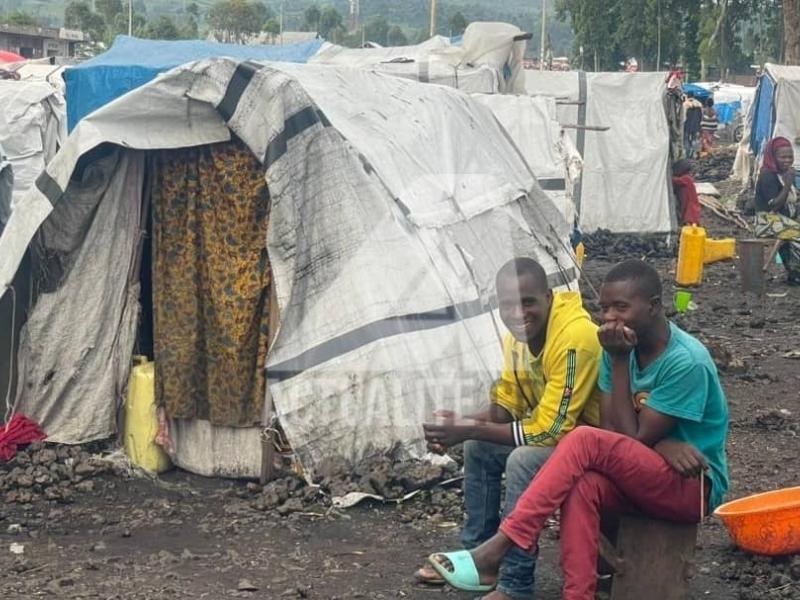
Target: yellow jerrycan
{"points": [[580, 254], [691, 254], [141, 420]]}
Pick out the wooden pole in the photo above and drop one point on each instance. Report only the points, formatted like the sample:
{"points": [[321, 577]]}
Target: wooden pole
{"points": [[433, 18]]}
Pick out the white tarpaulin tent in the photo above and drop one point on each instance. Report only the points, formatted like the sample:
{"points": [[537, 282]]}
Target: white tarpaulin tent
{"points": [[624, 185], [532, 123], [488, 60], [773, 113], [32, 126], [384, 239], [785, 103]]}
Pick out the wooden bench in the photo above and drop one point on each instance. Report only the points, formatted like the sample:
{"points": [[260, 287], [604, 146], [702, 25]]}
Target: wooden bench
{"points": [[649, 558]]}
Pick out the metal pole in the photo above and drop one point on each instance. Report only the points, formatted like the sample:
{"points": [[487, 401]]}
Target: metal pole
{"points": [[130, 17], [544, 35], [433, 18]]}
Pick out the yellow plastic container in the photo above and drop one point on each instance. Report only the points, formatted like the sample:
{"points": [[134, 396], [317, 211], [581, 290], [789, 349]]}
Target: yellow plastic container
{"points": [[691, 254], [580, 254], [141, 420], [722, 249]]}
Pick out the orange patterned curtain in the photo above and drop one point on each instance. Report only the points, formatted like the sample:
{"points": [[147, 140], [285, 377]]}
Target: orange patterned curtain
{"points": [[211, 278]]}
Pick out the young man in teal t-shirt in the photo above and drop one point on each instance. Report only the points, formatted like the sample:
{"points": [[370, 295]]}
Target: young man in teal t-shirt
{"points": [[660, 452]]}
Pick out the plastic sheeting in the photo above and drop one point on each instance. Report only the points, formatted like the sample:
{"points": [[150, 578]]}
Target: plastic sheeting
{"points": [[787, 103], [75, 348], [32, 127], [384, 240], [625, 186], [775, 112], [487, 60], [532, 123], [6, 188], [132, 62]]}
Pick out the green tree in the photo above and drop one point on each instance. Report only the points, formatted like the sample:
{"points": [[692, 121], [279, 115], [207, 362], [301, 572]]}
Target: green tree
{"points": [[120, 26], [594, 24], [79, 15], [312, 18], [376, 29], [193, 10], [396, 36], [234, 20], [330, 19], [162, 28], [21, 18], [457, 23], [272, 27], [189, 30], [109, 9]]}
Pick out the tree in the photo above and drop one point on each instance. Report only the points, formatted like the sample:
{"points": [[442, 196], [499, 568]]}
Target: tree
{"points": [[21, 18], [457, 23], [396, 37], [329, 20], [376, 29], [193, 10], [120, 26], [791, 32], [78, 15], [234, 20], [189, 30], [109, 9], [163, 28], [312, 18], [273, 28]]}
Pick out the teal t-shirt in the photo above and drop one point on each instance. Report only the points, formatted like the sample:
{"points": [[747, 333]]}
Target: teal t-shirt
{"points": [[683, 383]]}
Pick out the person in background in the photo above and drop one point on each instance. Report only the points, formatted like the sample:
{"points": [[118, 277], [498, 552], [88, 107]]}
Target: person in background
{"points": [[692, 118], [708, 128], [660, 452], [776, 204], [685, 193], [547, 387]]}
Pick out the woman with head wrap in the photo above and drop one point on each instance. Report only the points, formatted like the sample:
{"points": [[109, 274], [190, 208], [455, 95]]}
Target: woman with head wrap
{"points": [[776, 204]]}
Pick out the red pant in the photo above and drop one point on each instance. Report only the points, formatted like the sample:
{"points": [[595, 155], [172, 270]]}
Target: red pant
{"points": [[593, 471]]}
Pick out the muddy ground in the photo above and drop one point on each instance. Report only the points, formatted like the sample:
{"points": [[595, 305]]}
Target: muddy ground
{"points": [[86, 530]]}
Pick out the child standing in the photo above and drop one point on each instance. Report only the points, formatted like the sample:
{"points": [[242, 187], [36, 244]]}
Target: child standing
{"points": [[685, 193]]}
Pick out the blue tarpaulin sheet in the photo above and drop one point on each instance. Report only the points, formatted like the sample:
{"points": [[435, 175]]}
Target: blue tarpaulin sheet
{"points": [[726, 111], [700, 93], [763, 115], [132, 62]]}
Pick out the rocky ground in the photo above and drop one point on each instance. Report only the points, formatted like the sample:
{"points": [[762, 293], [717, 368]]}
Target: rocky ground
{"points": [[75, 526]]}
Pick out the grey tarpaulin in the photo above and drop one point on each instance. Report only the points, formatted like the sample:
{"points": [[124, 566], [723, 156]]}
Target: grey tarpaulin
{"points": [[393, 205]]}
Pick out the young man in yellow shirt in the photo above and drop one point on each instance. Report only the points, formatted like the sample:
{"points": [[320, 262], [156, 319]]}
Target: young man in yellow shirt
{"points": [[548, 386]]}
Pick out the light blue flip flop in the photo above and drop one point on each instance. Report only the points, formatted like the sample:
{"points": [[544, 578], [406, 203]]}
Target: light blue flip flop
{"points": [[464, 575]]}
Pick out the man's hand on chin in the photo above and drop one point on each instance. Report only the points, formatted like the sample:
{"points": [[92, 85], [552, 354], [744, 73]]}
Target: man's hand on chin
{"points": [[616, 338]]}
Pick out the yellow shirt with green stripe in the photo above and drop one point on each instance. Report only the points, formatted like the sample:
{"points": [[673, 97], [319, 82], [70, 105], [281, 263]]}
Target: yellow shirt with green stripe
{"points": [[549, 394]]}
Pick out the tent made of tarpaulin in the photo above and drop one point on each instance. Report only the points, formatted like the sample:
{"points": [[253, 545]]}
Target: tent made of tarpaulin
{"points": [[32, 127], [624, 185], [532, 123], [132, 62], [487, 60], [776, 107], [384, 239]]}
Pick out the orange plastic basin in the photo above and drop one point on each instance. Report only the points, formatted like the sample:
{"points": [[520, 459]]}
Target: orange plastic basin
{"points": [[767, 523]]}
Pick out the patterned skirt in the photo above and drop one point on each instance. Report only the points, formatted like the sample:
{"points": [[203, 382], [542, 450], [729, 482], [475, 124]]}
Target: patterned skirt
{"points": [[780, 227]]}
